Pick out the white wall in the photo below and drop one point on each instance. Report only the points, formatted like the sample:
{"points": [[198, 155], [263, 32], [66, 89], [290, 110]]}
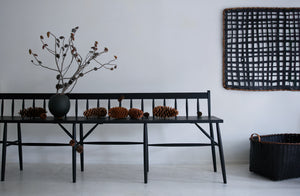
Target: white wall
{"points": [[162, 45]]}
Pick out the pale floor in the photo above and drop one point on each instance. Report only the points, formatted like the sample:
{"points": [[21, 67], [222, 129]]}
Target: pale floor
{"points": [[170, 180]]}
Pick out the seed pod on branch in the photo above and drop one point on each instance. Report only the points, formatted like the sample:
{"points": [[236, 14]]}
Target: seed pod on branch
{"points": [[72, 36], [58, 86], [45, 45]]}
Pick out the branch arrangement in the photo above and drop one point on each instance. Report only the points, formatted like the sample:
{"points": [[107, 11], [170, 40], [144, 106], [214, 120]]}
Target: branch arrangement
{"points": [[61, 49]]}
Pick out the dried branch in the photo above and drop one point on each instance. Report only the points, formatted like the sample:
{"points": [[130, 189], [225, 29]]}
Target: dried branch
{"points": [[60, 52]]}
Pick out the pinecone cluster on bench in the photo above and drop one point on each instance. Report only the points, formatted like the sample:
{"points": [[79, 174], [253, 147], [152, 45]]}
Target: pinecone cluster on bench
{"points": [[134, 113], [165, 108], [115, 112]]}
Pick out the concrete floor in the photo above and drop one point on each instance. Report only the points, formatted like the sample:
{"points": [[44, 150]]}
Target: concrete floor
{"points": [[170, 180]]}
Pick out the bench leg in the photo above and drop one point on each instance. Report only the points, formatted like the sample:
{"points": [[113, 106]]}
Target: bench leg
{"points": [[213, 151], [81, 143], [20, 147], [74, 153], [221, 154], [146, 154], [4, 145]]}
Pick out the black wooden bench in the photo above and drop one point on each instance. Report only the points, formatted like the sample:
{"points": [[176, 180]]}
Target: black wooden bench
{"points": [[11, 103]]}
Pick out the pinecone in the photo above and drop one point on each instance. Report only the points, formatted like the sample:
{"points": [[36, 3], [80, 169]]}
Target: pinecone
{"points": [[118, 112], [199, 114], [135, 113], [43, 116], [72, 142], [33, 112], [79, 149], [146, 115], [164, 112], [95, 112]]}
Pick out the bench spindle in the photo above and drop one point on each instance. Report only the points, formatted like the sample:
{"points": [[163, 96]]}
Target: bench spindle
{"points": [[153, 105], [142, 104], [98, 103], [164, 102], [2, 107], [23, 104], [186, 107], [198, 106], [76, 108], [87, 104], [44, 104], [130, 103], [12, 107], [108, 104], [33, 103]]}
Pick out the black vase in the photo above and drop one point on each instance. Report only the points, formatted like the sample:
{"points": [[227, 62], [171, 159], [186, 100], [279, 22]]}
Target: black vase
{"points": [[59, 105]]}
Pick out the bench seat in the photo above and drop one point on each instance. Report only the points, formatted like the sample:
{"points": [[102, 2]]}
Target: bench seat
{"points": [[73, 119]]}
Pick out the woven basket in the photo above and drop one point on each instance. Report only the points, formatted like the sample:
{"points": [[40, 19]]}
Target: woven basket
{"points": [[275, 156]]}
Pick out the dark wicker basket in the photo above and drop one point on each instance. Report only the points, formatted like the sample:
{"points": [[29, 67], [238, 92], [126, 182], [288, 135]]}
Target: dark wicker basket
{"points": [[275, 156]]}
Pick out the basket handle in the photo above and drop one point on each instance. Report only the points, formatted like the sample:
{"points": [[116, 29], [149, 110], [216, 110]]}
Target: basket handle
{"points": [[257, 136]]}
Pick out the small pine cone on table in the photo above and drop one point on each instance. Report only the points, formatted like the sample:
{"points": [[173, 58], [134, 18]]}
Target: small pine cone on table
{"points": [[79, 149], [33, 112], [146, 115], [164, 112], [72, 143], [43, 116], [95, 112], [118, 112], [135, 113], [199, 114]]}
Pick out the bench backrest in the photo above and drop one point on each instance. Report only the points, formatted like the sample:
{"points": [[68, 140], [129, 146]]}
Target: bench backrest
{"points": [[13, 102]]}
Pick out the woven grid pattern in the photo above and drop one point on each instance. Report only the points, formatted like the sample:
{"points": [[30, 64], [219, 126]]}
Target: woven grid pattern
{"points": [[261, 49]]}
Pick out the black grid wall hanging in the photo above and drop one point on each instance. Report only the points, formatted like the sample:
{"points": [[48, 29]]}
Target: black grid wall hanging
{"points": [[261, 48]]}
